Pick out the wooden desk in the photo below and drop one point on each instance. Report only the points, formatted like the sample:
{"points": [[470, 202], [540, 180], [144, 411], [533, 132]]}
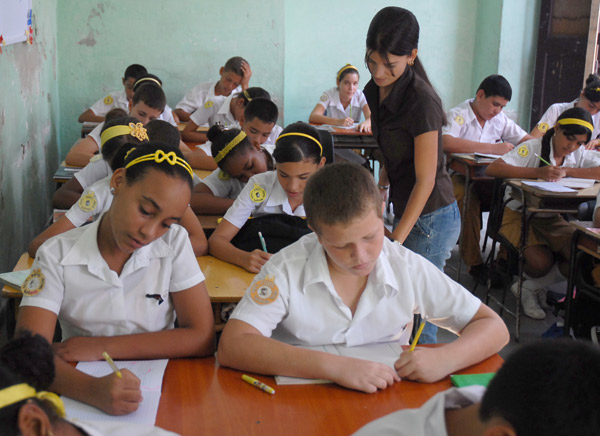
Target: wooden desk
{"points": [[202, 174], [202, 129], [209, 222], [64, 173], [198, 397]]}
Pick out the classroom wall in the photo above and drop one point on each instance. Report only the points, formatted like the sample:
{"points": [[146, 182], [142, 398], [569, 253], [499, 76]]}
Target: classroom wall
{"points": [[28, 133]]}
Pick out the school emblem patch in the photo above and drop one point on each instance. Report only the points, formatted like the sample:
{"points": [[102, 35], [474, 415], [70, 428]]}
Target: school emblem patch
{"points": [[223, 175], [523, 150], [543, 127], [323, 97], [264, 291], [88, 202], [459, 120], [34, 283], [258, 194], [208, 104], [108, 99]]}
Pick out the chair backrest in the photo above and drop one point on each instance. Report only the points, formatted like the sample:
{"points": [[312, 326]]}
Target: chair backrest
{"points": [[327, 143], [585, 211]]}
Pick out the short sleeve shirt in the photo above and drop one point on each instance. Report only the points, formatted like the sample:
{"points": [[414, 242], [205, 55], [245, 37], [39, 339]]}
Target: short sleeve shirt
{"points": [[203, 95], [262, 195], [462, 123], [94, 201], [330, 100], [70, 278], [96, 170], [117, 99], [222, 185], [293, 299], [209, 116], [549, 118], [95, 134]]}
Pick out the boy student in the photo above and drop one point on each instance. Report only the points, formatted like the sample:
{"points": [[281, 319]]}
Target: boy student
{"points": [[550, 388], [479, 125], [347, 284], [117, 99], [235, 77]]}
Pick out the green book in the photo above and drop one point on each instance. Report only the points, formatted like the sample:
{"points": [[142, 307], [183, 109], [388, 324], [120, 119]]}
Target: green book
{"points": [[462, 380]]}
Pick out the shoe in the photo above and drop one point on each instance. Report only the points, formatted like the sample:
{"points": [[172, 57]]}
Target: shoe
{"points": [[529, 301], [542, 297]]}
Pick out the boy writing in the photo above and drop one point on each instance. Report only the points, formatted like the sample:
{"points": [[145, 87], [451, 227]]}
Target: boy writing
{"points": [[347, 284]]}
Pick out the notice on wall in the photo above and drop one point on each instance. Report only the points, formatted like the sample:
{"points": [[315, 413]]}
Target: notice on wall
{"points": [[15, 22]]}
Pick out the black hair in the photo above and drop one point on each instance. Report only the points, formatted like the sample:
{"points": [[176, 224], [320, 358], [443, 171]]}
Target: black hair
{"points": [[339, 193], [151, 95], [570, 129], [220, 136], [25, 359], [234, 65], [137, 171], [163, 131], [134, 71], [146, 79], [115, 113], [109, 148], [592, 88], [547, 388], [340, 76], [298, 148], [262, 108], [496, 85], [254, 92]]}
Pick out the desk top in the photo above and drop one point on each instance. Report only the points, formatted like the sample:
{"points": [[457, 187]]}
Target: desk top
{"points": [[546, 200], [202, 173], [198, 397]]}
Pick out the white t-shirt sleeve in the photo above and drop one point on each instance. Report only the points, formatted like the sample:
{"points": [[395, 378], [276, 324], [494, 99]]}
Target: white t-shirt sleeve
{"points": [[185, 271], [325, 99], [243, 207], [523, 155], [456, 122], [512, 132], [96, 170], [104, 105], [218, 186], [589, 158], [84, 209], [192, 100], [202, 115]]}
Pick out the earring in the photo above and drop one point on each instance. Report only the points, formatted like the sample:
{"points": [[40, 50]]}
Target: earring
{"points": [[112, 191], [411, 62]]}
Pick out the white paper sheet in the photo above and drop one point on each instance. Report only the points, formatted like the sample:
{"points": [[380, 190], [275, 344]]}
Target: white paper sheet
{"points": [[575, 183], [549, 186], [15, 278]]}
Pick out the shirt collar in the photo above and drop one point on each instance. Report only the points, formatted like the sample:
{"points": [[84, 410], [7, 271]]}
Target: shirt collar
{"points": [[278, 196], [470, 115]]}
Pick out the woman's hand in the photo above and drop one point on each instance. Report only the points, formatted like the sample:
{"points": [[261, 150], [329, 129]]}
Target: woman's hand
{"points": [[365, 126]]}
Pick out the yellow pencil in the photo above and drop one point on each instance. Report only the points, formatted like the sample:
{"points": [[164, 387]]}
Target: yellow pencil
{"points": [[416, 339], [112, 364]]}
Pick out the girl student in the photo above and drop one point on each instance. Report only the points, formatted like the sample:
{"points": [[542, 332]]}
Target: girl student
{"points": [[548, 240], [118, 284], [343, 105], [299, 154], [407, 118], [589, 99], [238, 159], [27, 408]]}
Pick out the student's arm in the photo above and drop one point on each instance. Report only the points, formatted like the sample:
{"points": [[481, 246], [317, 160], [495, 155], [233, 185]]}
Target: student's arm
{"points": [[60, 226], [583, 173], [536, 133], [246, 75], [243, 347], [195, 231], [452, 144], [189, 133], [199, 160], [204, 202], [183, 115], [425, 168], [501, 169], [485, 335], [81, 153], [365, 126], [67, 195], [184, 148], [525, 138], [220, 246], [316, 116], [89, 115]]}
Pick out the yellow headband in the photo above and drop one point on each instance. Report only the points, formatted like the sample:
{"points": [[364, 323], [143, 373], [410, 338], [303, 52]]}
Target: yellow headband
{"points": [[235, 141], [144, 79], [159, 156], [344, 68], [567, 121], [301, 134], [136, 130], [247, 96], [15, 393]]}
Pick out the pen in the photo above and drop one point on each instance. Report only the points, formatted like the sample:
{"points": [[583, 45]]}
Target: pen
{"points": [[262, 242], [416, 339], [543, 160], [112, 364], [258, 384]]}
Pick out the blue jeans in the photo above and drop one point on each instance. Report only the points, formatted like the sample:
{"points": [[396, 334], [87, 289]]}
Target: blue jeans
{"points": [[433, 237]]}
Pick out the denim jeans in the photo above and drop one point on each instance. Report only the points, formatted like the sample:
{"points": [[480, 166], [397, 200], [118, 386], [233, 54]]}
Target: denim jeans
{"points": [[433, 237]]}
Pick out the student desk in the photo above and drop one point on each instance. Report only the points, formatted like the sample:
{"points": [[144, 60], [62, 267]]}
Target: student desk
{"points": [[64, 173], [182, 125], [199, 397], [87, 127]]}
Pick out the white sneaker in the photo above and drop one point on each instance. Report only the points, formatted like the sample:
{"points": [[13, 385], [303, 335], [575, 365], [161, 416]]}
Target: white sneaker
{"points": [[542, 296], [529, 301]]}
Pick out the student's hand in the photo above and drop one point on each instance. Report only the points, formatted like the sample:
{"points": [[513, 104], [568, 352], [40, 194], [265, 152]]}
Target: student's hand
{"points": [[365, 126], [80, 348], [551, 173], [422, 364], [117, 396], [362, 375], [593, 144], [255, 260], [247, 74], [502, 148], [345, 122]]}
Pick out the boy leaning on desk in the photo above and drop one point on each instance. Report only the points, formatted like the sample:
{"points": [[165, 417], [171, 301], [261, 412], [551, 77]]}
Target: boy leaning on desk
{"points": [[347, 284]]}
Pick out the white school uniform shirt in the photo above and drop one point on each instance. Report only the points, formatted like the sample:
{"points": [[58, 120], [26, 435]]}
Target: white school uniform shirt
{"points": [[203, 96], [213, 115], [268, 145], [293, 299], [549, 118], [330, 100], [116, 99], [429, 419], [71, 278], [262, 195], [222, 185], [462, 123], [112, 428], [94, 201], [96, 170]]}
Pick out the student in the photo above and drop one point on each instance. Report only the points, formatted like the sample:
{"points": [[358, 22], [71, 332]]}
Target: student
{"points": [[118, 284], [589, 99], [299, 154], [549, 237], [479, 125], [407, 119], [235, 77], [167, 113], [348, 284], [550, 388], [342, 105], [117, 99], [239, 158], [26, 408]]}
